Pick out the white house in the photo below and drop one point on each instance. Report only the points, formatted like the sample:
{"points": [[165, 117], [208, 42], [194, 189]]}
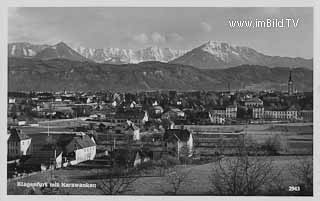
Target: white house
{"points": [[181, 139], [82, 147], [18, 144]]}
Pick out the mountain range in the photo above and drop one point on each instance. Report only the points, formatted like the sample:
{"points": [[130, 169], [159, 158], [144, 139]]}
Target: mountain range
{"points": [[99, 55], [122, 56], [60, 51], [25, 74], [211, 55], [24, 49]]}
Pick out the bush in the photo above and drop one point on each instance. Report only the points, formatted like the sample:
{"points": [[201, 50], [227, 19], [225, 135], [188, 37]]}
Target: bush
{"points": [[273, 145], [303, 172]]}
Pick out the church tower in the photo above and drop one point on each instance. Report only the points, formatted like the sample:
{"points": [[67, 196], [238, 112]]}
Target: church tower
{"points": [[290, 85]]}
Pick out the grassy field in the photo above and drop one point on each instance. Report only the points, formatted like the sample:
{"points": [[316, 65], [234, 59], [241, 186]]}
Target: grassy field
{"points": [[295, 138], [198, 181]]}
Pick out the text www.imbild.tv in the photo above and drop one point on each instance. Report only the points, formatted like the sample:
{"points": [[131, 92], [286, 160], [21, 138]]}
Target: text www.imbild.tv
{"points": [[265, 23]]}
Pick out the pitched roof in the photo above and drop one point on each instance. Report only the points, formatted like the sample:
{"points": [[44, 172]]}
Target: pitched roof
{"points": [[254, 99], [46, 154], [81, 142], [17, 135]]}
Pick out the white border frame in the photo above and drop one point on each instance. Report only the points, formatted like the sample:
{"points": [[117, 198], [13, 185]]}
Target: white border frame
{"points": [[155, 3]]}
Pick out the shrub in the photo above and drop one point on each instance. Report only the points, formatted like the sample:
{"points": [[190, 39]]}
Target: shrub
{"points": [[273, 145]]}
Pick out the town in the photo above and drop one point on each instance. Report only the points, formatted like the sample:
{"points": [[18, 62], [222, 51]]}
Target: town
{"points": [[48, 131]]}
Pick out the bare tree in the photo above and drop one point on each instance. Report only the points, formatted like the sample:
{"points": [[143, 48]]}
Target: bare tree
{"points": [[242, 175], [303, 172], [117, 182], [175, 180]]}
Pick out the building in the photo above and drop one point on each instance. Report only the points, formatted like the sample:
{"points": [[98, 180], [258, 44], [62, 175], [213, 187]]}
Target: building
{"points": [[80, 148], [141, 157], [290, 113], [138, 117], [253, 102], [306, 115], [231, 112], [290, 85], [179, 142], [47, 157], [18, 144], [158, 109], [217, 119], [219, 112], [258, 112], [173, 113], [133, 130], [12, 100], [58, 150]]}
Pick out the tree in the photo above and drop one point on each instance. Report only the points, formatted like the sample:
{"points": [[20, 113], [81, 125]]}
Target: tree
{"points": [[175, 180], [242, 175], [117, 181], [303, 172]]}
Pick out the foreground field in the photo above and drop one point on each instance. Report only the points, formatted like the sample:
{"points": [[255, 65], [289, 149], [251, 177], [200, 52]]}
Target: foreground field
{"points": [[197, 182]]}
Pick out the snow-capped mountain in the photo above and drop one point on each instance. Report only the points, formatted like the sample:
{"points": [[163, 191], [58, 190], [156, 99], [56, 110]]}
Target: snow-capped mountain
{"points": [[120, 55], [24, 49], [60, 50], [223, 55], [210, 55]]}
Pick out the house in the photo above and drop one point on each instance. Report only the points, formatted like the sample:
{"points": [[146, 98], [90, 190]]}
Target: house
{"points": [[138, 117], [141, 157], [133, 104], [12, 100], [179, 142], [133, 130], [58, 99], [18, 144], [47, 157], [173, 113], [158, 109], [57, 150], [81, 148], [253, 102]]}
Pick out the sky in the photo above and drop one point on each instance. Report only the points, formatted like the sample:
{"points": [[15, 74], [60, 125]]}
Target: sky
{"points": [[175, 27]]}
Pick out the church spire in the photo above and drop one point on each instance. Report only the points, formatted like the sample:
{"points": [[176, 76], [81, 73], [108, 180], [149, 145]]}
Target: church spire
{"points": [[290, 77], [290, 84]]}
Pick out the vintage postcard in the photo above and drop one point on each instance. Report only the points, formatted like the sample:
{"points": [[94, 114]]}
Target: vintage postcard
{"points": [[106, 100]]}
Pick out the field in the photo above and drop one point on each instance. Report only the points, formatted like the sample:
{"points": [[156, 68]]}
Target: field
{"points": [[293, 138], [198, 181]]}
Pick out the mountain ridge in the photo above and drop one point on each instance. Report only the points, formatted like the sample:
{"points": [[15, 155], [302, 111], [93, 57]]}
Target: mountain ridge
{"points": [[59, 74], [60, 50], [210, 55], [223, 55]]}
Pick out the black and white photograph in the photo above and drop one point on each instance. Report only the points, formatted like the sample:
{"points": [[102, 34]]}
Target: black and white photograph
{"points": [[160, 101]]}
